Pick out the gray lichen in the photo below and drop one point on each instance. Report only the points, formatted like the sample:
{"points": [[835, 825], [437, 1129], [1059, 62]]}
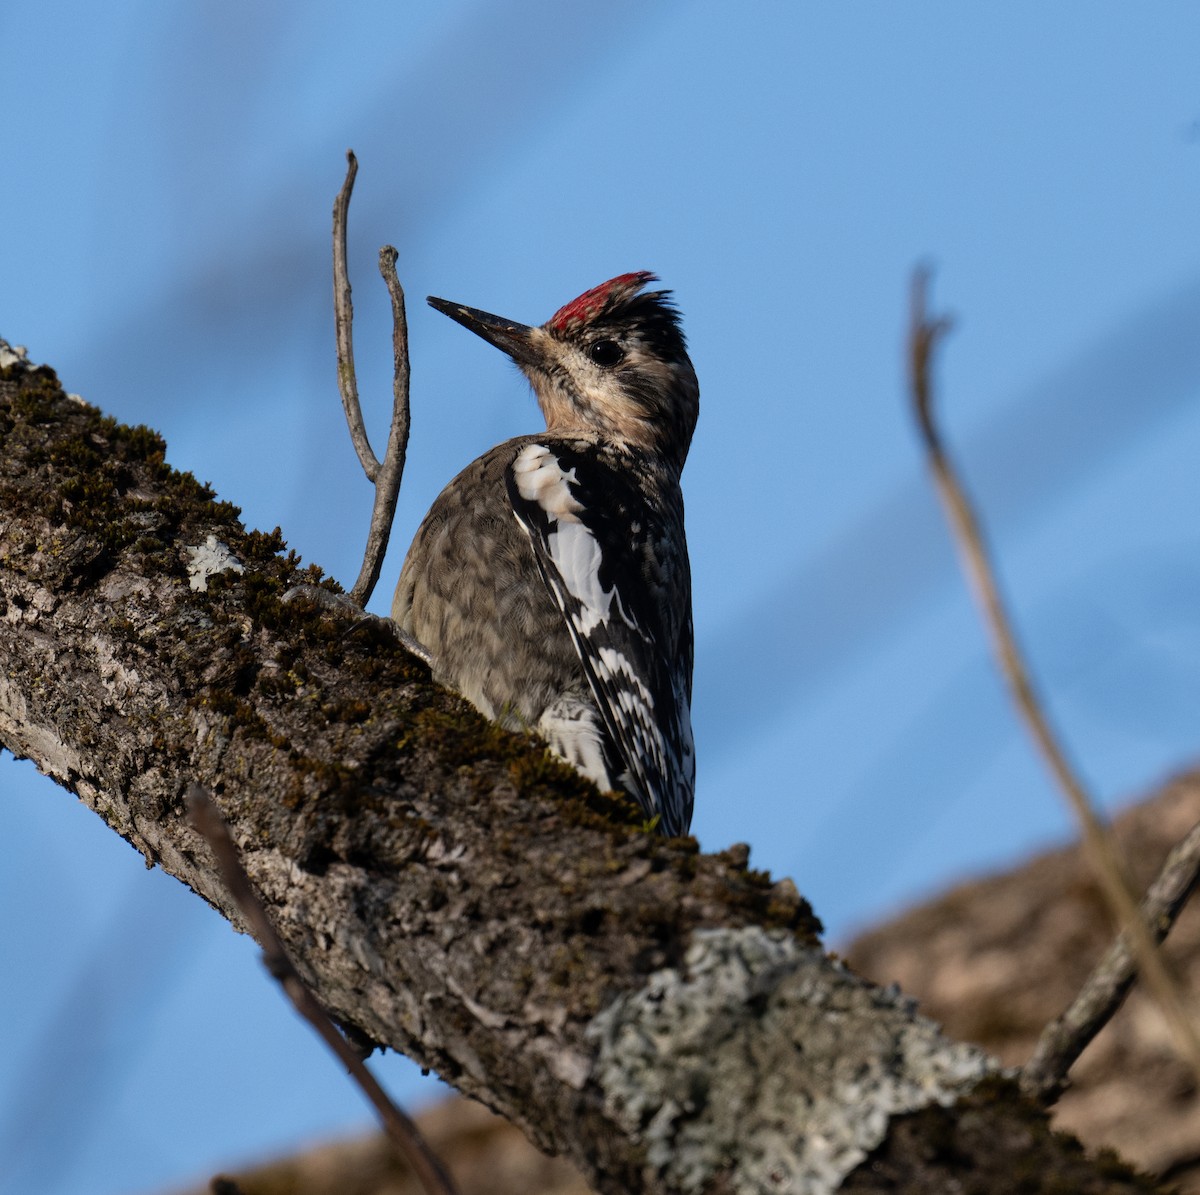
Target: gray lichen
{"points": [[765, 1060]]}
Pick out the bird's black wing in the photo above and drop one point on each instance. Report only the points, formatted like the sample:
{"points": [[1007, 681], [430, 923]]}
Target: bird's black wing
{"points": [[592, 534]]}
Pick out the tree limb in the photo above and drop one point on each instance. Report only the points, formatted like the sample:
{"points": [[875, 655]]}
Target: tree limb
{"points": [[1099, 845], [664, 1018], [1066, 1037]]}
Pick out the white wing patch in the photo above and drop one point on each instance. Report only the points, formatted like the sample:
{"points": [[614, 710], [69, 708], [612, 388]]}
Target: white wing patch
{"points": [[571, 544]]}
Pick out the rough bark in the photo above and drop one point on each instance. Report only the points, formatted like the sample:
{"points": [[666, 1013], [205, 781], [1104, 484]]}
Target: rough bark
{"points": [[662, 1017], [968, 955]]}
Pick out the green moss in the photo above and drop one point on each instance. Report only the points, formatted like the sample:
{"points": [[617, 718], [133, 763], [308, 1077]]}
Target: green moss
{"points": [[142, 443], [39, 393], [461, 736], [95, 473], [349, 710], [261, 547], [89, 478]]}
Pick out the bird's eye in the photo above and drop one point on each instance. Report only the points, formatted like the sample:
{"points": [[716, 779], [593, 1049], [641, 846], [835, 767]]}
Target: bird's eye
{"points": [[606, 352]]}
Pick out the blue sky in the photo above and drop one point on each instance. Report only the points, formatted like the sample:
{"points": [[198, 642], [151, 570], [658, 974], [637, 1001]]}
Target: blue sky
{"points": [[168, 173]]}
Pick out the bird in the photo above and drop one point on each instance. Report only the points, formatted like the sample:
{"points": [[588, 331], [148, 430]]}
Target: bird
{"points": [[549, 583]]}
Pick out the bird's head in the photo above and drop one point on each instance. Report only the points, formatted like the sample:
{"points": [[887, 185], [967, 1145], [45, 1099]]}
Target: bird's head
{"points": [[612, 363]]}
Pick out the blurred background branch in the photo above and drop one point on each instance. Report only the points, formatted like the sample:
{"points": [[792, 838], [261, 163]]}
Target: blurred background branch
{"points": [[1098, 843]]}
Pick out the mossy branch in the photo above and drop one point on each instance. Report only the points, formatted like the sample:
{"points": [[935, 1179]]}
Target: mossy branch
{"points": [[443, 886]]}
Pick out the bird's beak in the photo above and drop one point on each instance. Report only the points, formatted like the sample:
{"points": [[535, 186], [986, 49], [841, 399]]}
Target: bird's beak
{"points": [[510, 337]]}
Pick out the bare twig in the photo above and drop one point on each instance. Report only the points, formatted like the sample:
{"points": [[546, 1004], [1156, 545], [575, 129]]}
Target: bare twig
{"points": [[385, 476], [1098, 843], [343, 312], [1065, 1037], [400, 1129], [387, 482]]}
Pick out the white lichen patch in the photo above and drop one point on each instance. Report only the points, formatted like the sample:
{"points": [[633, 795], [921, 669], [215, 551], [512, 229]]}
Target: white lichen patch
{"points": [[13, 354], [209, 558], [766, 1060]]}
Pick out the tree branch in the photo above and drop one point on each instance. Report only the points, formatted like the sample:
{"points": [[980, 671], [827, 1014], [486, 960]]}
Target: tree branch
{"points": [[1067, 1036], [387, 484], [1098, 843], [385, 477], [343, 318], [664, 1018]]}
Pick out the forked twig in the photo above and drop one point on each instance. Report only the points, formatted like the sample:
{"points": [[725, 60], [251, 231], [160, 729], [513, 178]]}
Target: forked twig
{"points": [[1098, 843], [385, 475], [1064, 1038], [207, 819]]}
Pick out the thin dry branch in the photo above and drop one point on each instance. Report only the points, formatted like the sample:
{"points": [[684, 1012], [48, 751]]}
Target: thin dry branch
{"points": [[1065, 1037], [343, 309], [413, 1147], [1098, 843], [385, 476], [387, 482]]}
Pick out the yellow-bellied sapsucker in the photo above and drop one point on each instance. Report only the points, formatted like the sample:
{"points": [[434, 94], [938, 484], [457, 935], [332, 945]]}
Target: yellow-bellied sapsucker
{"points": [[550, 582]]}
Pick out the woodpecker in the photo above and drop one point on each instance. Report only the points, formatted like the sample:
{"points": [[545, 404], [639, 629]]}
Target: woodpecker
{"points": [[549, 582]]}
